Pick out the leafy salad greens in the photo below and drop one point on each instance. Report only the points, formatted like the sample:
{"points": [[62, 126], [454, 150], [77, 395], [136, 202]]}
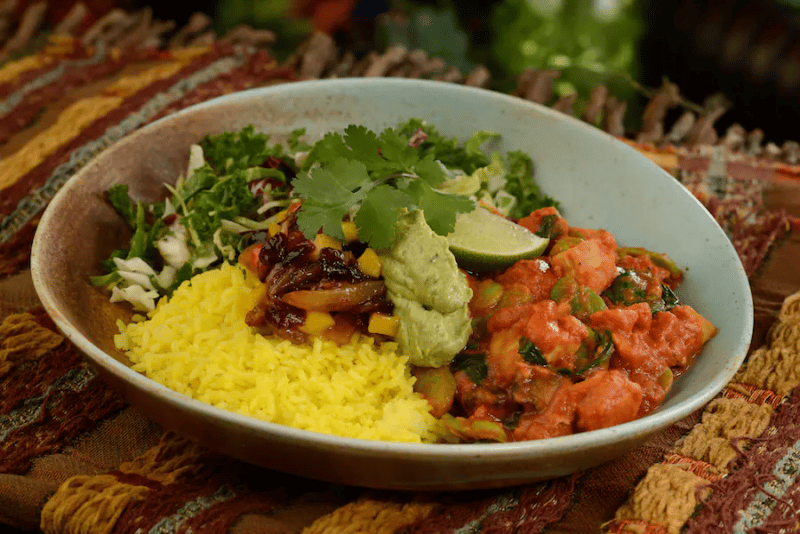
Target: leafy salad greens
{"points": [[237, 183]]}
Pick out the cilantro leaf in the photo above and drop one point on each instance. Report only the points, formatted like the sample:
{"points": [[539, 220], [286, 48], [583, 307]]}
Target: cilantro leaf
{"points": [[363, 145], [373, 176], [338, 183], [294, 142], [327, 149], [329, 194], [440, 208], [429, 170], [378, 213], [314, 217], [394, 148]]}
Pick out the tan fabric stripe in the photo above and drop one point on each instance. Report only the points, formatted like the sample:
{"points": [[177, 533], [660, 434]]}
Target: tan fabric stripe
{"points": [[185, 55], [13, 69], [57, 46], [75, 118], [366, 515], [69, 124]]}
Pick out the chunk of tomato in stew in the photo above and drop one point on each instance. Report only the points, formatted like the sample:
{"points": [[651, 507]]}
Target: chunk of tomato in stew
{"points": [[592, 262]]}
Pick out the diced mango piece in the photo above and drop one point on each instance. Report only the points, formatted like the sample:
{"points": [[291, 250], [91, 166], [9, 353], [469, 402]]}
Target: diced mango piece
{"points": [[370, 263], [317, 322], [325, 241], [350, 231], [273, 228], [281, 216], [380, 323]]}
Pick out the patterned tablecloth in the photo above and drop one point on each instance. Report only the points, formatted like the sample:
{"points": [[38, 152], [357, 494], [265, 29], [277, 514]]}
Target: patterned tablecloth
{"points": [[75, 458]]}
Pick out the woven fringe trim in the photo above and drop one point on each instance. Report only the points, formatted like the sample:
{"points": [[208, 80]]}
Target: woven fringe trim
{"points": [[84, 501], [367, 515], [671, 491], [94, 504], [176, 486]]}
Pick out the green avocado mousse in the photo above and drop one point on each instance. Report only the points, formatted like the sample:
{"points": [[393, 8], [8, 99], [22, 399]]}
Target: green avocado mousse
{"points": [[429, 292]]}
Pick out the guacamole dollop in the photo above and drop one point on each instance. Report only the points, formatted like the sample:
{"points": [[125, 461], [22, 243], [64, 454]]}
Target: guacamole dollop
{"points": [[429, 292]]}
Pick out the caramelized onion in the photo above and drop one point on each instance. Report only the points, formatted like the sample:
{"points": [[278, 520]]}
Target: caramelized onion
{"points": [[342, 297]]}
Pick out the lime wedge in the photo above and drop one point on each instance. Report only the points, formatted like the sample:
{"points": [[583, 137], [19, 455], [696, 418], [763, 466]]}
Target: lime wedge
{"points": [[484, 242]]}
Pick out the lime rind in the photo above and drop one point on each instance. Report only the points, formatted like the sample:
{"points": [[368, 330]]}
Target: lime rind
{"points": [[484, 242]]}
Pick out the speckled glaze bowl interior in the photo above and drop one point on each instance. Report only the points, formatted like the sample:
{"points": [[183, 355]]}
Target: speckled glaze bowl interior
{"points": [[600, 181]]}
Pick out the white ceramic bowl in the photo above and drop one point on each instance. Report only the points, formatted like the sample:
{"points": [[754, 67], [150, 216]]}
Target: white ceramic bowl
{"points": [[600, 181]]}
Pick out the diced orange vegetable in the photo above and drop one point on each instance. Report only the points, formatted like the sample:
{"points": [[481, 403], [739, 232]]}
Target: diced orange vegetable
{"points": [[380, 323], [325, 241], [317, 322], [370, 263], [341, 298], [350, 231], [249, 257]]}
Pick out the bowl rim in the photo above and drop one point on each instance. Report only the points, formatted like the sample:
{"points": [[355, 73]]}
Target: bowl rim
{"points": [[660, 419]]}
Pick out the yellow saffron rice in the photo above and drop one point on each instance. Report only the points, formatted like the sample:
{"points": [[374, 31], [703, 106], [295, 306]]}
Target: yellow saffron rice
{"points": [[197, 343]]}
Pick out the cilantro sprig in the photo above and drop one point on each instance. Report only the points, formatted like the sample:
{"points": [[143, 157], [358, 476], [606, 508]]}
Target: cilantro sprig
{"points": [[371, 177]]}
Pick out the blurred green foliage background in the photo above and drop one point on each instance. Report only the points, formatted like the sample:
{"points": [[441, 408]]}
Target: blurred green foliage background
{"points": [[630, 46], [589, 41]]}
